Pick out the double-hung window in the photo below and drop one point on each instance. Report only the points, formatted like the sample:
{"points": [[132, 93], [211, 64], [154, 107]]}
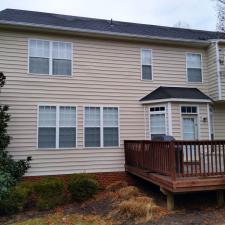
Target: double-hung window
{"points": [[194, 67], [101, 127], [157, 122], [50, 57], [146, 64], [56, 127]]}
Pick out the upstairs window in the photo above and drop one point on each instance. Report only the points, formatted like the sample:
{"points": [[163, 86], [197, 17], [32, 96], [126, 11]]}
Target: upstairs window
{"points": [[50, 57], [146, 64], [194, 67]]}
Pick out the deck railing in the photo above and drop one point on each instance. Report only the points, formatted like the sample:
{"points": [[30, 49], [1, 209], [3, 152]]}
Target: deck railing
{"points": [[177, 158]]}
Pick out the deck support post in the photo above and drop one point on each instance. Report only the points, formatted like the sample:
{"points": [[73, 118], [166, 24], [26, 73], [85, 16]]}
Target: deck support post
{"points": [[169, 198], [220, 198], [170, 201]]}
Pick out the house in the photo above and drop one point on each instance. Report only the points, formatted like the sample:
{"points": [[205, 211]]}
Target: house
{"points": [[78, 87]]}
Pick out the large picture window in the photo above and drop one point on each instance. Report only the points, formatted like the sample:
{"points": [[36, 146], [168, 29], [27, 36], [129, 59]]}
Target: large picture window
{"points": [[101, 127], [57, 127], [194, 67], [50, 57], [157, 122]]}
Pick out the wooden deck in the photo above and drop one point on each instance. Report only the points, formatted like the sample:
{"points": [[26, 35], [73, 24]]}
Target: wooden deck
{"points": [[178, 166]]}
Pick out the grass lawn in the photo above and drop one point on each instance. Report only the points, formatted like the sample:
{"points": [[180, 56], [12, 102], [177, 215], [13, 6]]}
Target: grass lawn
{"points": [[59, 218]]}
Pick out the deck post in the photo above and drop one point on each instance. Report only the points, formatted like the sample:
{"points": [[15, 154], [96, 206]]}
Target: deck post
{"points": [[169, 198], [172, 161], [220, 198]]}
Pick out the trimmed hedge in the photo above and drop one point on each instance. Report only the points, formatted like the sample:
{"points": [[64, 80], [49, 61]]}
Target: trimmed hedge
{"points": [[18, 199], [82, 187], [50, 193]]}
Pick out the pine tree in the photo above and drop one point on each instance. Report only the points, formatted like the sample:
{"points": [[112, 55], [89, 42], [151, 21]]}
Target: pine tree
{"points": [[11, 171]]}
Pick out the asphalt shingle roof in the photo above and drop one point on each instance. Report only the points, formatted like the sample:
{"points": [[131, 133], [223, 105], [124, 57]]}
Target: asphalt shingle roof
{"points": [[175, 92], [100, 25]]}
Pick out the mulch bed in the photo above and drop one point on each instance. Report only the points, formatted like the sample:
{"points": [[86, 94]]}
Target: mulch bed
{"points": [[191, 209]]}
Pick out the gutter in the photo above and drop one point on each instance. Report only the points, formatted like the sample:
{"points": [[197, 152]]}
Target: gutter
{"points": [[96, 33]]}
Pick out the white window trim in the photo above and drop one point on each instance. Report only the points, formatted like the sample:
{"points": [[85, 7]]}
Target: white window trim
{"points": [[194, 114], [50, 58], [149, 49], [57, 126], [165, 112], [194, 53], [101, 127]]}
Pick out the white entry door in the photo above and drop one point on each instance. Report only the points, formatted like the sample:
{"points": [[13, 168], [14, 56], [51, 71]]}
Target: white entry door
{"points": [[190, 132], [190, 127]]}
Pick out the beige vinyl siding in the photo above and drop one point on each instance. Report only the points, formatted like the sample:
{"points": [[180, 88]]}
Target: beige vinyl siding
{"points": [[104, 73], [212, 72], [219, 121]]}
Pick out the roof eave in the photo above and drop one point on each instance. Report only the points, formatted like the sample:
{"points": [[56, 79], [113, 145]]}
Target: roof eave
{"points": [[176, 100], [96, 33]]}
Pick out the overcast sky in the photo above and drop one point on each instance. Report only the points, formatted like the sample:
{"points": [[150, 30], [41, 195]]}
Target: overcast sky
{"points": [[199, 14]]}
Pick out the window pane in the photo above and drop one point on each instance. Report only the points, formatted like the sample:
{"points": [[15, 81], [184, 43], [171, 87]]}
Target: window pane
{"points": [[67, 137], [146, 57], [111, 137], [46, 137], [92, 116], [47, 116], [194, 75], [61, 50], [67, 117], [39, 65], [39, 48], [92, 137], [193, 60], [61, 67], [110, 117], [147, 72], [157, 123]]}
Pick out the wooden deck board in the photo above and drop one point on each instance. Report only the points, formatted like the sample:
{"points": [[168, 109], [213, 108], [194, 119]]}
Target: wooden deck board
{"points": [[181, 184]]}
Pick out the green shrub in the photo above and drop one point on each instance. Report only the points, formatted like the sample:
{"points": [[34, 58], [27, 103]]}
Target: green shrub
{"points": [[50, 192], [82, 186], [16, 200]]}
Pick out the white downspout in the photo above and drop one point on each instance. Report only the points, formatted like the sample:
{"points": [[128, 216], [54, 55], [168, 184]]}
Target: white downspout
{"points": [[218, 70], [145, 121]]}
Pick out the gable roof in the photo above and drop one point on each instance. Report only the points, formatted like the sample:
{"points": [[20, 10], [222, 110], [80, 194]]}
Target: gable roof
{"points": [[175, 93], [23, 17]]}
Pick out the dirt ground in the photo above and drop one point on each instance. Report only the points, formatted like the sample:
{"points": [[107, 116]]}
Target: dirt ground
{"points": [[191, 209]]}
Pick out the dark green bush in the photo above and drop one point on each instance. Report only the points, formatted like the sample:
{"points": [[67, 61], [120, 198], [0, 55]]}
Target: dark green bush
{"points": [[82, 186], [11, 171], [50, 192], [16, 200]]}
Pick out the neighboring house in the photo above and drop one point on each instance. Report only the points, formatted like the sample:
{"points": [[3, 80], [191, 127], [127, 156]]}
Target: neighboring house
{"points": [[78, 87]]}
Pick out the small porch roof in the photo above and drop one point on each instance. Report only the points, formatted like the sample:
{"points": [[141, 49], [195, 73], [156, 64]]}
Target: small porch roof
{"points": [[175, 94]]}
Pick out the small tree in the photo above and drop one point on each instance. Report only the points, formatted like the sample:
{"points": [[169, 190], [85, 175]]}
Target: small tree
{"points": [[11, 171]]}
